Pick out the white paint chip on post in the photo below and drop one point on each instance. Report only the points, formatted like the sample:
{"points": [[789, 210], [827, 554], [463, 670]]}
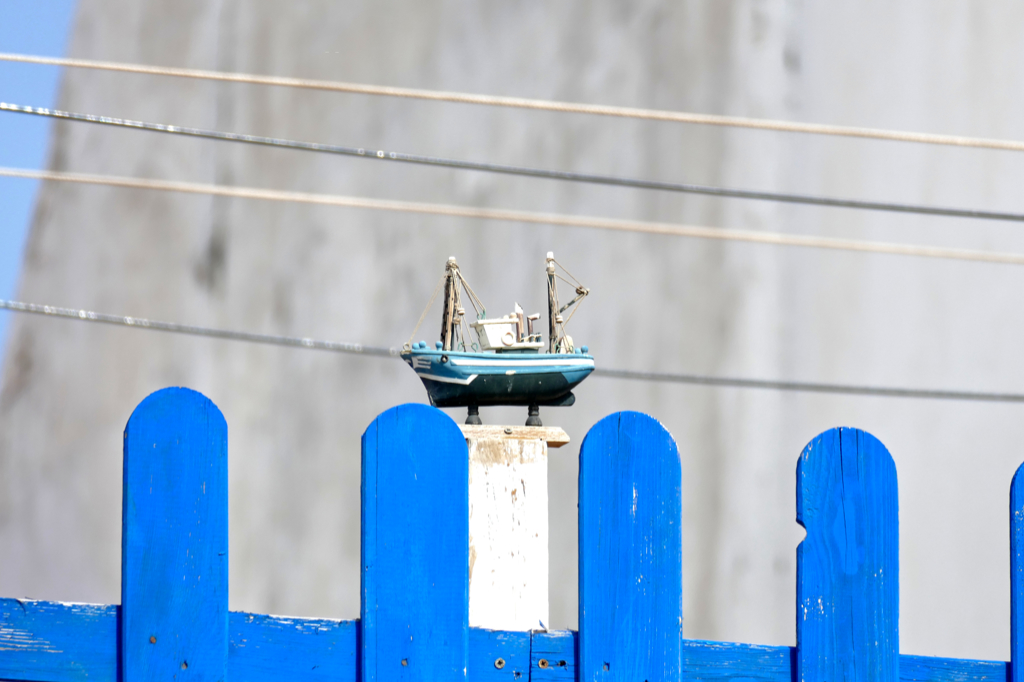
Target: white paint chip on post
{"points": [[508, 525]]}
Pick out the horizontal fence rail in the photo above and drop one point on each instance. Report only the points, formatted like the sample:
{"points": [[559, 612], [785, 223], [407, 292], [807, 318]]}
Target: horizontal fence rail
{"points": [[68, 642], [173, 622]]}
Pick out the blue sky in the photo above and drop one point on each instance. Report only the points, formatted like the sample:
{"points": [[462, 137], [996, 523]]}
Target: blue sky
{"points": [[33, 27]]}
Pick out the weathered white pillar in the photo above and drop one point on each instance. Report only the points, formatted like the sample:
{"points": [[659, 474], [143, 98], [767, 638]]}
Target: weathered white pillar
{"points": [[508, 525]]}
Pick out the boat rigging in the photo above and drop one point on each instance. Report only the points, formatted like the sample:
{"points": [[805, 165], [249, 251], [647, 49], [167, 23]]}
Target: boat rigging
{"points": [[504, 365]]}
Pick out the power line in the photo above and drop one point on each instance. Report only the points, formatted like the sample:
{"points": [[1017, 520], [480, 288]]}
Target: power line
{"points": [[508, 215], [380, 351], [144, 323], [809, 387], [384, 155], [525, 103]]}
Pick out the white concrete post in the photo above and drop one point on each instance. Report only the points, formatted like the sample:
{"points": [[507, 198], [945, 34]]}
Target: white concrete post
{"points": [[508, 525]]}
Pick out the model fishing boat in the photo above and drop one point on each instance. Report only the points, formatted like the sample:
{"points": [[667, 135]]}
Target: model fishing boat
{"points": [[505, 364]]}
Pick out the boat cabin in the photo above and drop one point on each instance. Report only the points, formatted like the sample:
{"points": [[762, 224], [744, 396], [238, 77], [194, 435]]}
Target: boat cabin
{"points": [[511, 333]]}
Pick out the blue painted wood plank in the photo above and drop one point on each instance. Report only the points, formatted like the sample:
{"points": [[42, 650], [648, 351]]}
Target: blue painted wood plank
{"points": [[43, 641], [630, 552], [553, 656], [498, 655], [720, 661], [848, 565], [933, 669], [1017, 575], [415, 547], [53, 642], [274, 648], [174, 540]]}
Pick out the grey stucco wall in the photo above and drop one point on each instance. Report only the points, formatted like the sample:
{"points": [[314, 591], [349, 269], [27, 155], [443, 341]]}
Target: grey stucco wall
{"points": [[658, 303]]}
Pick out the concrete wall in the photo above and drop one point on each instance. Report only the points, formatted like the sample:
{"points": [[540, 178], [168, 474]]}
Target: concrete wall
{"points": [[658, 303]]}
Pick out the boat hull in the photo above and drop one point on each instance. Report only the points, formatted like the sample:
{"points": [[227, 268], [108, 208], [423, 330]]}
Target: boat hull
{"points": [[456, 379]]}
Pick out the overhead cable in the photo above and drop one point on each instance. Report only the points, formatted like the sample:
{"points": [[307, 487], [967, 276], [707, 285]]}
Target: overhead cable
{"points": [[525, 103], [380, 154], [809, 387], [192, 330], [380, 351], [509, 215]]}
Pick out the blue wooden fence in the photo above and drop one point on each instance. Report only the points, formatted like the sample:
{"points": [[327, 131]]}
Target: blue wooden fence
{"points": [[174, 623]]}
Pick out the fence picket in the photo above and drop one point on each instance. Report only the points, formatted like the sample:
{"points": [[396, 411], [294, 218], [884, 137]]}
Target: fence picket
{"points": [[174, 540], [630, 552], [848, 565], [415, 547], [173, 622], [1017, 576]]}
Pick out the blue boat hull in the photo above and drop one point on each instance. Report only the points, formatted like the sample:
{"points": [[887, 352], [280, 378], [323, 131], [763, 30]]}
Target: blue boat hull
{"points": [[456, 379]]}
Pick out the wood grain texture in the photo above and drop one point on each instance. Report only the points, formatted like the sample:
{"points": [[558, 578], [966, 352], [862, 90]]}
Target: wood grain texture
{"points": [[174, 540], [554, 656], [554, 436], [933, 669], [49, 641], [722, 661], [42, 640], [486, 647], [508, 534], [415, 547], [273, 648], [1017, 575], [848, 565], [630, 552]]}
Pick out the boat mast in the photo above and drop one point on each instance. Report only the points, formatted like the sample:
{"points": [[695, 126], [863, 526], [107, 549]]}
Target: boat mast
{"points": [[451, 315], [552, 303], [558, 340]]}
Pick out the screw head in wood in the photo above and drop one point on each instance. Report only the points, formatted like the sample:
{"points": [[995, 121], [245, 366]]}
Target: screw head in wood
{"points": [[499, 663], [405, 661], [152, 640], [542, 663]]}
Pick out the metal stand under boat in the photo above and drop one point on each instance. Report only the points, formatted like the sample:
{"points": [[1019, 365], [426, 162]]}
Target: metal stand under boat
{"points": [[473, 415], [533, 416]]}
